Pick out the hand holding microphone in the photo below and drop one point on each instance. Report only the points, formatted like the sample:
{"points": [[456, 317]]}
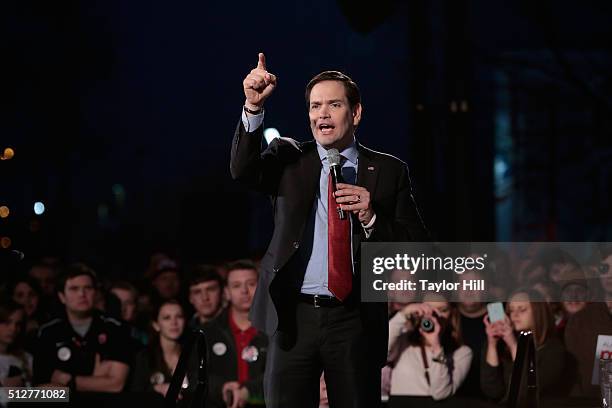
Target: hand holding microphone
{"points": [[349, 197]]}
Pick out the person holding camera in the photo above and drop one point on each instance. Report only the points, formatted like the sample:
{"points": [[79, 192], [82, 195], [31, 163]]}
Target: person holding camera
{"points": [[426, 353]]}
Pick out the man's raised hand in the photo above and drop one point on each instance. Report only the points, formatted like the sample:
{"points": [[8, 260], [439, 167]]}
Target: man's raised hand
{"points": [[258, 85]]}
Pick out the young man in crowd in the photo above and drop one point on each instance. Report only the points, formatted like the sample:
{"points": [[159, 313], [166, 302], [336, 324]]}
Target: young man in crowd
{"points": [[128, 296], [83, 350], [166, 280], [473, 331], [45, 274], [205, 294], [236, 349]]}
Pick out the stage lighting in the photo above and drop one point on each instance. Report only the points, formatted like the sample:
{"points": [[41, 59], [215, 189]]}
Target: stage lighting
{"points": [[7, 154], [39, 208], [5, 242], [270, 134]]}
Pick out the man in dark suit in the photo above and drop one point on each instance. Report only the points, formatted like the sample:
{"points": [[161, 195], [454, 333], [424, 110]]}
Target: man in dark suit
{"points": [[308, 296]]}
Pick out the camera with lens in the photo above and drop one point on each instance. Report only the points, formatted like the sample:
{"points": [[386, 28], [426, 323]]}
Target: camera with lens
{"points": [[424, 322]]}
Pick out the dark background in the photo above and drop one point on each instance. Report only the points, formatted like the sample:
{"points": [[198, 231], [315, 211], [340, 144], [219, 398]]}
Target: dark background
{"points": [[121, 115]]}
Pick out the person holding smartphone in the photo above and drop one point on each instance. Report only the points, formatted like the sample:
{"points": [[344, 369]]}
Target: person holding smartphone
{"points": [[526, 311], [426, 353]]}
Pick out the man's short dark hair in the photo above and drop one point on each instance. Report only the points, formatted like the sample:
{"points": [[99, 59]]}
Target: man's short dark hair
{"points": [[203, 273], [352, 90], [74, 270], [240, 264]]}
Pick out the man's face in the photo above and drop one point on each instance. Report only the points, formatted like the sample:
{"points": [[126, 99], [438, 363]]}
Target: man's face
{"points": [[331, 119], [78, 295], [402, 296], [167, 284], [605, 274], [469, 299], [128, 303], [206, 298], [45, 277], [241, 285]]}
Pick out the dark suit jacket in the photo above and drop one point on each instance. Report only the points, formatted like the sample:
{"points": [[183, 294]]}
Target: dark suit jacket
{"points": [[289, 173]]}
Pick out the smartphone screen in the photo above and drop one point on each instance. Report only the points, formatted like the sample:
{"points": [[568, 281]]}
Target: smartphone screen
{"points": [[496, 312]]}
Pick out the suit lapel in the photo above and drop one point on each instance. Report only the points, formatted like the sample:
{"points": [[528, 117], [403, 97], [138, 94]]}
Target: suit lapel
{"points": [[367, 175], [367, 171], [309, 181]]}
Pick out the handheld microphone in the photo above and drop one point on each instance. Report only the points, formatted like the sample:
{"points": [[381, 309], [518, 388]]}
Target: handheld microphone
{"points": [[335, 169]]}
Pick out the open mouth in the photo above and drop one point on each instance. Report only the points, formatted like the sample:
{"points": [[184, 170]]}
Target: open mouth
{"points": [[326, 128]]}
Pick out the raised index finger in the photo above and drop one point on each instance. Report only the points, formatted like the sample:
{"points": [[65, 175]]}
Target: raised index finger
{"points": [[261, 64]]}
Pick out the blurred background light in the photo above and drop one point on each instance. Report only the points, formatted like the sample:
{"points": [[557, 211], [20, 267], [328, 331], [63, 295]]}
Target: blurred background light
{"points": [[271, 134], [7, 154], [5, 242], [39, 208]]}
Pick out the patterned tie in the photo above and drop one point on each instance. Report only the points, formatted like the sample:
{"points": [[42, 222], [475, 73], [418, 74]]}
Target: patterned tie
{"points": [[339, 264]]}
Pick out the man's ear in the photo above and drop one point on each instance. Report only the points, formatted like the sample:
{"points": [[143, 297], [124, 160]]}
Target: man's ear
{"points": [[155, 326], [357, 109], [62, 297]]}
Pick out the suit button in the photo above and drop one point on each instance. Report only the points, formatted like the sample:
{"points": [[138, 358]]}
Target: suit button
{"points": [[296, 245]]}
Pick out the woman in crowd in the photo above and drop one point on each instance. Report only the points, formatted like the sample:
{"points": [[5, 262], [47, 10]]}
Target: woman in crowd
{"points": [[15, 363], [25, 291], [155, 364], [426, 353], [526, 311]]}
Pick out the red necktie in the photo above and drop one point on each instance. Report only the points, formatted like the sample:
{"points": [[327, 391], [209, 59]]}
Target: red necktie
{"points": [[339, 263]]}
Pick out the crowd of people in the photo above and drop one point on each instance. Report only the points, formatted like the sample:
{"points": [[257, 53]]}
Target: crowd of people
{"points": [[566, 305], [65, 325], [93, 335]]}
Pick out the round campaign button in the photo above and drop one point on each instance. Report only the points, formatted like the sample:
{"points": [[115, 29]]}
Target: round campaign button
{"points": [[64, 353], [185, 383], [219, 348], [102, 338], [250, 354], [157, 378]]}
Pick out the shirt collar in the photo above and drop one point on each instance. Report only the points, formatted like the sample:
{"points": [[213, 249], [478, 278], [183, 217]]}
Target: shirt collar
{"points": [[234, 327], [350, 152]]}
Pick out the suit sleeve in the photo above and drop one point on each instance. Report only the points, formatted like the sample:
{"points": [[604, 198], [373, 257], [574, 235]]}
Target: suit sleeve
{"points": [[256, 169], [404, 223]]}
